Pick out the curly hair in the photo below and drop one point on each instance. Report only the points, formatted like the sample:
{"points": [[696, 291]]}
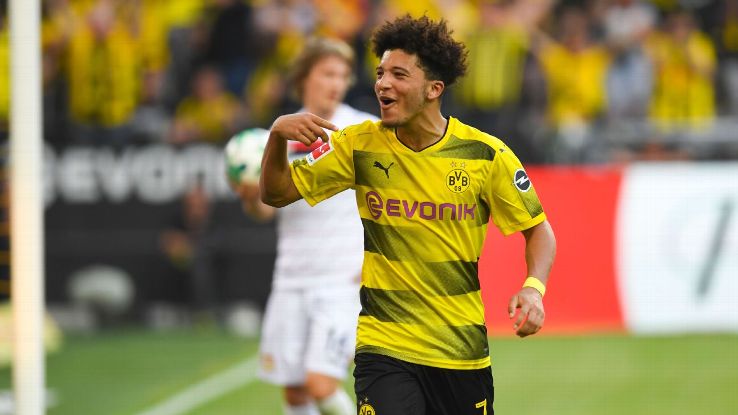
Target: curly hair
{"points": [[440, 56]]}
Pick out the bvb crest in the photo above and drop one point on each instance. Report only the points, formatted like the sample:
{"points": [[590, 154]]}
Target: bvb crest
{"points": [[366, 409]]}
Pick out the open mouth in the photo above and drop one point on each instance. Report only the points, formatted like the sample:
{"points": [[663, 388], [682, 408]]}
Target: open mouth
{"points": [[386, 102]]}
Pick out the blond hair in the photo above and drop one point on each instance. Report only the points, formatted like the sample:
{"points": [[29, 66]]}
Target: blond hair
{"points": [[315, 49]]}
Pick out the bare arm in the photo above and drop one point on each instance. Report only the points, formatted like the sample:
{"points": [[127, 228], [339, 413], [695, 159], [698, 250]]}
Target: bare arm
{"points": [[540, 250], [277, 187]]}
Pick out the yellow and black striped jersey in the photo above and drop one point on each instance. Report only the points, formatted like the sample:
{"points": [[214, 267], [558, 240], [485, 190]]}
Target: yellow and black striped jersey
{"points": [[425, 217]]}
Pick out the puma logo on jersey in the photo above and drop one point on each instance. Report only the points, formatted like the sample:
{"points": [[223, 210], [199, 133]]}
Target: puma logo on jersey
{"points": [[385, 169]]}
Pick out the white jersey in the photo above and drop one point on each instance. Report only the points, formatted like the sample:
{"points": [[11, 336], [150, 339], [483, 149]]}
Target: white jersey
{"points": [[323, 244]]}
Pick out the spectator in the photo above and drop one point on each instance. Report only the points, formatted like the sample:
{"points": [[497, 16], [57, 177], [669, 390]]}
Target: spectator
{"points": [[185, 36], [627, 23], [102, 73], [461, 15], [151, 121], [724, 21], [233, 46], [684, 65], [498, 55], [57, 25], [154, 23], [289, 22], [575, 70], [342, 19], [189, 245], [209, 113], [152, 28]]}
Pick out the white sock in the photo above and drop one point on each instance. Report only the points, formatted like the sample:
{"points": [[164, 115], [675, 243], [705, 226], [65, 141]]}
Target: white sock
{"points": [[307, 409], [337, 404]]}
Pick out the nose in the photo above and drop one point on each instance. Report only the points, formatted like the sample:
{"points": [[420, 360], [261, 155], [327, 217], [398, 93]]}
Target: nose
{"points": [[382, 83]]}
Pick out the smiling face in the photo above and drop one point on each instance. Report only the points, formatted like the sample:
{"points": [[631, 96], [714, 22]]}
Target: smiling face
{"points": [[402, 88], [326, 84]]}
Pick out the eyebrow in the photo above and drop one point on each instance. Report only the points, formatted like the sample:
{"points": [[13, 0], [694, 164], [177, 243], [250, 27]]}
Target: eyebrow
{"points": [[394, 68]]}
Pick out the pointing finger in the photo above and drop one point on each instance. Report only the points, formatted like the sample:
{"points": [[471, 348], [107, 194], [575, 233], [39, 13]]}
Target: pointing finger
{"points": [[324, 123]]}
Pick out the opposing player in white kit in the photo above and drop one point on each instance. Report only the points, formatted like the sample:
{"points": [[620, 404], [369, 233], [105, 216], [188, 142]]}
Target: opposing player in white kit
{"points": [[309, 329]]}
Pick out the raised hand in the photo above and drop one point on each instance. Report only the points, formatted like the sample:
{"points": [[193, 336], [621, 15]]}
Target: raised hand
{"points": [[303, 127]]}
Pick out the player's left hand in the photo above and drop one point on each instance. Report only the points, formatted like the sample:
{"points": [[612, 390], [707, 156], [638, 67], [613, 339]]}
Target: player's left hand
{"points": [[250, 196], [531, 315], [249, 192]]}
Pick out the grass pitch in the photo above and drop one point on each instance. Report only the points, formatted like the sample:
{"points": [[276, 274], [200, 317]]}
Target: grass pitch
{"points": [[131, 372]]}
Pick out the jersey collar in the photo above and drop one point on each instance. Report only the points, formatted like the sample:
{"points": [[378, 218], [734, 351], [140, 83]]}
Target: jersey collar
{"points": [[399, 146]]}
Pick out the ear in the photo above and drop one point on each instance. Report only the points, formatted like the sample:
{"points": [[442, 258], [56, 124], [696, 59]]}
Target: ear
{"points": [[434, 89]]}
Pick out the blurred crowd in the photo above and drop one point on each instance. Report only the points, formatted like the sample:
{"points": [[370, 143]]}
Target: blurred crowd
{"points": [[549, 77]]}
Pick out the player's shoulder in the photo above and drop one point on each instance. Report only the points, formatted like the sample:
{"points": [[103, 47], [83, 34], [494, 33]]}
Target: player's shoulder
{"points": [[360, 131], [480, 138]]}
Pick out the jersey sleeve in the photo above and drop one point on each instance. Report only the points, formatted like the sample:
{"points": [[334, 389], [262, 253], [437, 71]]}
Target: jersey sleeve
{"points": [[325, 171], [511, 196]]}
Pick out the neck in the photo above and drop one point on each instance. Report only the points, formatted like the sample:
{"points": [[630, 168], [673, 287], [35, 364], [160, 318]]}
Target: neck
{"points": [[324, 113], [423, 131]]}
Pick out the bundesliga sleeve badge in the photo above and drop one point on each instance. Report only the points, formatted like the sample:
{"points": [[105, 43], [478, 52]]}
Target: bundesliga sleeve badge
{"points": [[318, 153]]}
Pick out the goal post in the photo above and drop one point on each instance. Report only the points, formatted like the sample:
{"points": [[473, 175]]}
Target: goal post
{"points": [[26, 207]]}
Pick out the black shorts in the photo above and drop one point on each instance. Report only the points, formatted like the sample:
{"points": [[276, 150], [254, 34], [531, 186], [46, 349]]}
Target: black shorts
{"points": [[388, 386]]}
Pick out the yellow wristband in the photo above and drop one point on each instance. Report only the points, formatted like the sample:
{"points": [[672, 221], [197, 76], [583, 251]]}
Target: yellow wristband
{"points": [[534, 282]]}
